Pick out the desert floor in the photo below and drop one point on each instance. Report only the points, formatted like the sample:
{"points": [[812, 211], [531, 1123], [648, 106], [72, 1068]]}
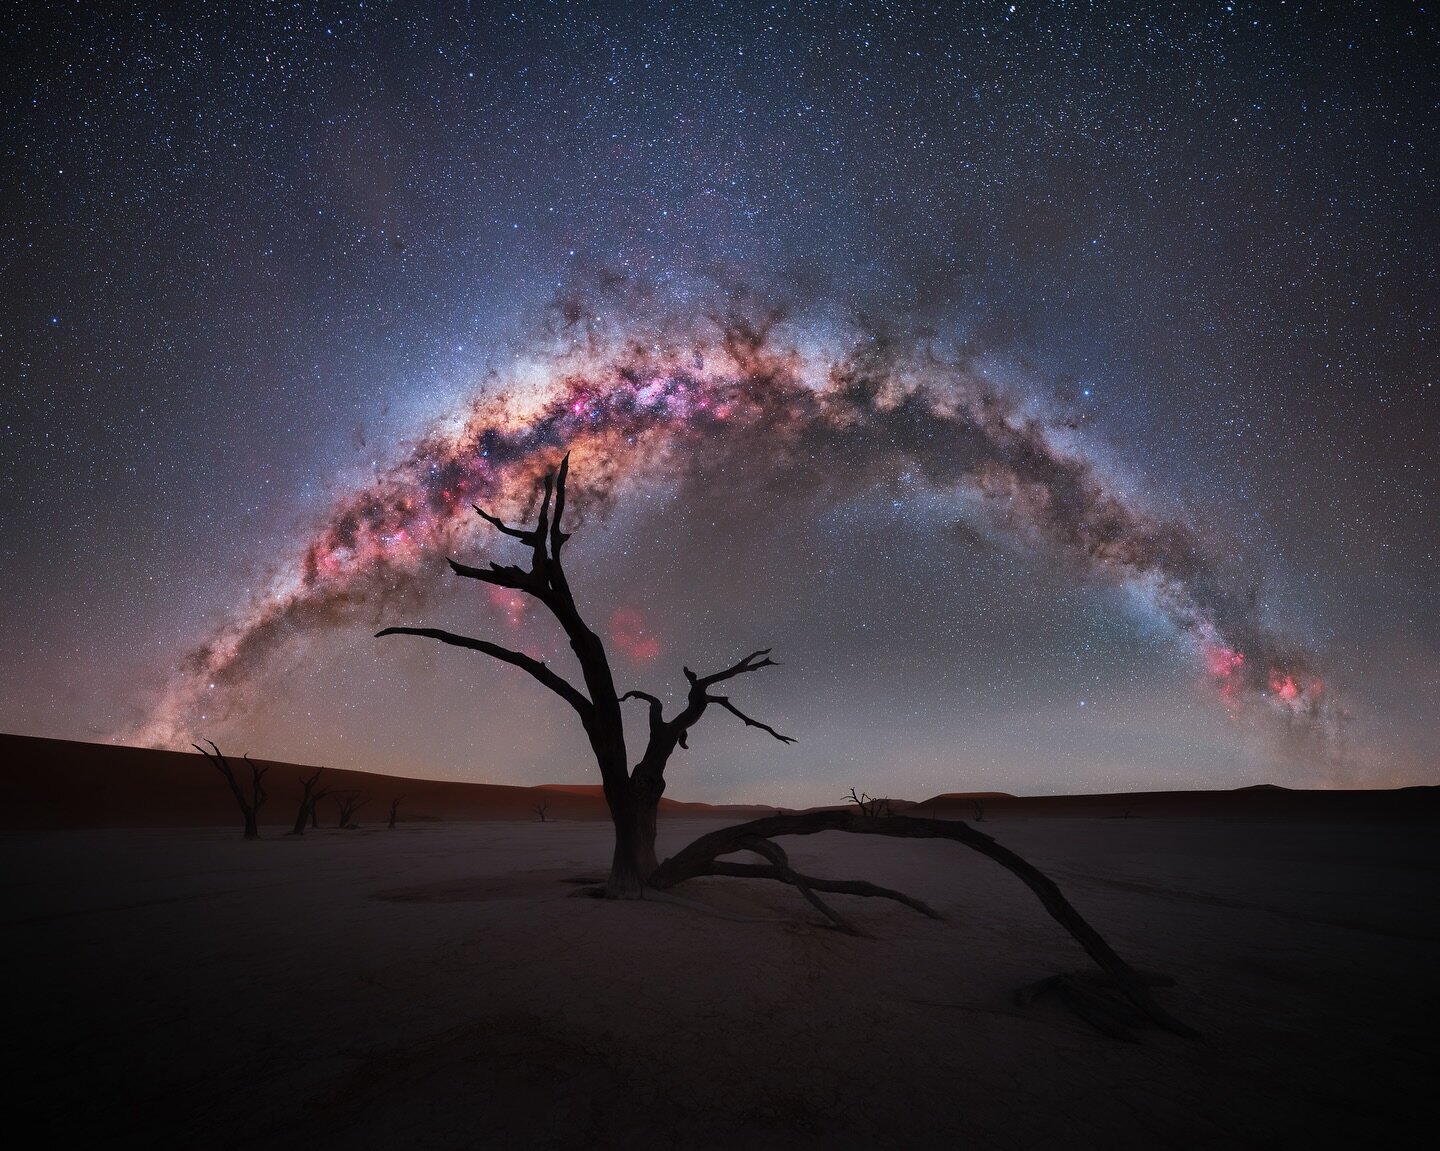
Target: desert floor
{"points": [[436, 986]]}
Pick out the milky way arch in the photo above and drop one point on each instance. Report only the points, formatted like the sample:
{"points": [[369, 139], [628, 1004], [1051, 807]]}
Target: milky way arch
{"points": [[627, 402]]}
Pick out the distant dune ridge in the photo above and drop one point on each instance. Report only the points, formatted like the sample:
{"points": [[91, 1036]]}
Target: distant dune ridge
{"points": [[57, 784]]}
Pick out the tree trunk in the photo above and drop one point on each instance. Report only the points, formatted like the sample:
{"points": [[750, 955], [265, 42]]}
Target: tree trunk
{"points": [[301, 818], [628, 870], [634, 802], [645, 835], [252, 831], [647, 788]]}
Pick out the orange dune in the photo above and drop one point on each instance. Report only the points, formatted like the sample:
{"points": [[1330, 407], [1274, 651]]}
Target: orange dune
{"points": [[53, 784]]}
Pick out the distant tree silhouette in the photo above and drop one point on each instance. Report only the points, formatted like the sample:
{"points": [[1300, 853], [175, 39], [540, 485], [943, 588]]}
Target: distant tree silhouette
{"points": [[394, 808], [979, 807], [309, 797], [349, 802], [249, 805], [632, 794], [868, 804], [540, 809]]}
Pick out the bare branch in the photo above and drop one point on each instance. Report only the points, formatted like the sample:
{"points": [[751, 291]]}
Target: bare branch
{"points": [[500, 575], [537, 668], [838, 886], [222, 765], [724, 702], [216, 760], [781, 863], [752, 662], [541, 533], [501, 526], [557, 536], [657, 712]]}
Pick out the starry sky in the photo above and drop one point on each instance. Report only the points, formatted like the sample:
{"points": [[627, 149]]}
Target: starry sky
{"points": [[1052, 388]]}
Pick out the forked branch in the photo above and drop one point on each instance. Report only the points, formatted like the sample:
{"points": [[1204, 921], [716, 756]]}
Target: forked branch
{"points": [[752, 662], [249, 805], [666, 735], [657, 709]]}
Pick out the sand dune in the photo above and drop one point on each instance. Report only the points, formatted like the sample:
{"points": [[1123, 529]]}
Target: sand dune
{"points": [[54, 784]]}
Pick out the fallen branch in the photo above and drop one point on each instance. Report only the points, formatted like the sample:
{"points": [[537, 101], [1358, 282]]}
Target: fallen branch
{"points": [[702, 858]]}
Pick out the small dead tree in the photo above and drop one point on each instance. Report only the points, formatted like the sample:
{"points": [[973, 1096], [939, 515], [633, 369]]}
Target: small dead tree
{"points": [[349, 802], [309, 797], [249, 805], [869, 805], [540, 809], [979, 808], [394, 808]]}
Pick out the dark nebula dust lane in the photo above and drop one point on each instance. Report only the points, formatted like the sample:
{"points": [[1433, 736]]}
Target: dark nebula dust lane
{"points": [[638, 402]]}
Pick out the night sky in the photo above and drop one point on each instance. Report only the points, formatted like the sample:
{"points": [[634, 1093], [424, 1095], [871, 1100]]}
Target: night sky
{"points": [[1053, 390]]}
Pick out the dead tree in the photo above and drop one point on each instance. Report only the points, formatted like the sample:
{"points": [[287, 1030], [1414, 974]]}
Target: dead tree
{"points": [[869, 805], [394, 807], [979, 808], [349, 802], [632, 794], [249, 805], [308, 799], [540, 809]]}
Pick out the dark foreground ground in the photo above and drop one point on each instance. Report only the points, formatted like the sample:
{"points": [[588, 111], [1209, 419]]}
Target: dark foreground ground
{"points": [[436, 987]]}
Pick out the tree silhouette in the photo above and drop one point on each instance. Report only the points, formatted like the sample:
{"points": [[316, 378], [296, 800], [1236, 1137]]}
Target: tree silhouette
{"points": [[394, 808], [632, 794], [349, 802], [309, 797], [249, 806], [870, 805], [541, 809], [1118, 999]]}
